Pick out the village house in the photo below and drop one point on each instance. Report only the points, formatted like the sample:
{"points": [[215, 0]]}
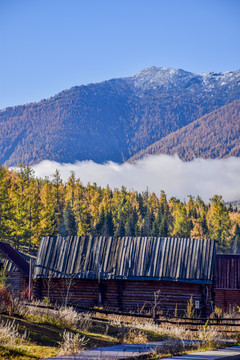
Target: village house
{"points": [[129, 273], [17, 268], [227, 286]]}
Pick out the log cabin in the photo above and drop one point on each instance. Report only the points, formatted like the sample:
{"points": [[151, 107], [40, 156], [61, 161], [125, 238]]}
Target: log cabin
{"points": [[128, 274], [17, 269]]}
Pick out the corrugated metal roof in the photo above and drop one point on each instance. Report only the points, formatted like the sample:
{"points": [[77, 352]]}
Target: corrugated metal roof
{"points": [[14, 256], [130, 258], [228, 272]]}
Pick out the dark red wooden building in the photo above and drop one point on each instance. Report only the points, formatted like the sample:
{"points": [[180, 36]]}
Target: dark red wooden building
{"points": [[129, 273], [227, 288]]}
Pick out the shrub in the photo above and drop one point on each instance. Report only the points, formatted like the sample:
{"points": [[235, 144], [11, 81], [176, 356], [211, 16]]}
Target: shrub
{"points": [[190, 308], [9, 334], [135, 336], [211, 339], [173, 347], [71, 343], [25, 293], [5, 300]]}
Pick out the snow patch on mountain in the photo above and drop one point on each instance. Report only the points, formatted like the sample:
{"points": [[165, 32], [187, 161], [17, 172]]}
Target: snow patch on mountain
{"points": [[157, 77]]}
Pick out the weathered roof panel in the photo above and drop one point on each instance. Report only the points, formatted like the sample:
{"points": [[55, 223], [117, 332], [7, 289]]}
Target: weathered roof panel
{"points": [[14, 256], [130, 258]]}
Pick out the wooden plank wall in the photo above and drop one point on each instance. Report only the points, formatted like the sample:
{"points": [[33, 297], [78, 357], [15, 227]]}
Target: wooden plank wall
{"points": [[227, 281], [127, 295], [18, 282], [228, 272], [227, 299]]}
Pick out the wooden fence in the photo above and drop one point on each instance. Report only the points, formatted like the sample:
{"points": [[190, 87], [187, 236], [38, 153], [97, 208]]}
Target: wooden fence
{"points": [[189, 323]]}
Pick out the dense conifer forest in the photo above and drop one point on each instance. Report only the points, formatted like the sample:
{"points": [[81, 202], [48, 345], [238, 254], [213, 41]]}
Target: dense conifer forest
{"points": [[215, 135], [31, 208]]}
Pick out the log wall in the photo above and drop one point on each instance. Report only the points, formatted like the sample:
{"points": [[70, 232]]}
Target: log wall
{"points": [[126, 295]]}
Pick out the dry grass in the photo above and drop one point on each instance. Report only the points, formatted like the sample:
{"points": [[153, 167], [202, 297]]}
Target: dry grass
{"points": [[205, 337], [9, 334], [71, 343], [174, 347], [166, 330], [65, 317], [111, 329], [135, 336]]}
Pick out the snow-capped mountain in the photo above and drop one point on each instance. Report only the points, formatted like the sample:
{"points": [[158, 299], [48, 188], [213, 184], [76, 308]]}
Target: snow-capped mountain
{"points": [[115, 119], [158, 77]]}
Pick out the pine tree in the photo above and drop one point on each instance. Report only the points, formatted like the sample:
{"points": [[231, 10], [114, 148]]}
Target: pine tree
{"points": [[131, 224], [120, 230], [108, 226], [141, 207], [181, 228], [164, 215], [58, 193], [47, 225], [155, 228], [21, 193], [35, 211], [204, 224], [157, 222], [5, 206], [163, 204], [163, 227], [83, 220], [69, 221], [100, 223], [219, 223], [147, 225], [70, 191], [236, 240]]}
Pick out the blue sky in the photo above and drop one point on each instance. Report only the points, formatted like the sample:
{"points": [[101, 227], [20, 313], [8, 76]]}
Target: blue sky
{"points": [[50, 45]]}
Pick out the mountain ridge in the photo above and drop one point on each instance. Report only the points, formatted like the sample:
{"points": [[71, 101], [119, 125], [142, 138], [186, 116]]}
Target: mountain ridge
{"points": [[215, 135], [137, 75], [113, 119]]}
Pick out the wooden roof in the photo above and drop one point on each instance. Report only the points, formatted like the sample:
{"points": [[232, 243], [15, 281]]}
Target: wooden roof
{"points": [[15, 258], [133, 258]]}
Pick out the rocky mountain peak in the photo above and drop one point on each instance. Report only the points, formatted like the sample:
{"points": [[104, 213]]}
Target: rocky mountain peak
{"points": [[157, 77]]}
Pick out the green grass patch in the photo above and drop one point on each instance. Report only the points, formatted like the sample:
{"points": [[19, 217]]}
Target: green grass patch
{"points": [[28, 351]]}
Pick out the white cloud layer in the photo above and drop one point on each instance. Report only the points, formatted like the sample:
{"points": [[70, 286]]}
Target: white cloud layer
{"points": [[204, 177]]}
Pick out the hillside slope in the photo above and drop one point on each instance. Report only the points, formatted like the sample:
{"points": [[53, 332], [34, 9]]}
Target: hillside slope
{"points": [[112, 120], [215, 135]]}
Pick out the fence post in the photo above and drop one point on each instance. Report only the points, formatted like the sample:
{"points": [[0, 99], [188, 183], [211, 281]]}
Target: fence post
{"points": [[30, 281]]}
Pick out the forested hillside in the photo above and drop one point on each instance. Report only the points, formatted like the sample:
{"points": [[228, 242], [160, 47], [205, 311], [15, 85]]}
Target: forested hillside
{"points": [[114, 119], [215, 135], [31, 208]]}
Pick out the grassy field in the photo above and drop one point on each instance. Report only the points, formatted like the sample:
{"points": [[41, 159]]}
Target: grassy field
{"points": [[38, 333]]}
